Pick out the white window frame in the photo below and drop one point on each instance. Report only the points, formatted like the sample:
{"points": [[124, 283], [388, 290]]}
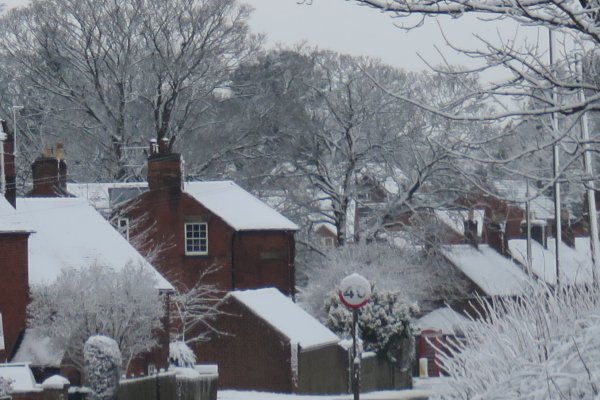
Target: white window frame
{"points": [[201, 237], [123, 229], [328, 242]]}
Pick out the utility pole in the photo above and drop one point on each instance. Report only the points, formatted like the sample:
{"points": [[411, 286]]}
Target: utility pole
{"points": [[555, 151], [591, 188]]}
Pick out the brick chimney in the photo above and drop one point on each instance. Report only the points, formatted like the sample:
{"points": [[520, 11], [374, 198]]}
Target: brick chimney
{"points": [[49, 174], [10, 170], [470, 229], [164, 167]]}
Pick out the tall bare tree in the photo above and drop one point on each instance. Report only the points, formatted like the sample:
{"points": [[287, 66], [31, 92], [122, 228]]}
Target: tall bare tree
{"points": [[114, 74]]}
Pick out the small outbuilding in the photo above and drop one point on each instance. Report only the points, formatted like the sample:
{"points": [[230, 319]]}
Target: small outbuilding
{"points": [[268, 343]]}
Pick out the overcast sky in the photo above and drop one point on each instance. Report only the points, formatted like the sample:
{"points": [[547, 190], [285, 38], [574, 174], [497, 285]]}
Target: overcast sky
{"points": [[347, 27], [350, 28]]}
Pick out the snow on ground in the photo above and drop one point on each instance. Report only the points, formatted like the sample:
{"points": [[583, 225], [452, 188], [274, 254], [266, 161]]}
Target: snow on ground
{"points": [[385, 395]]}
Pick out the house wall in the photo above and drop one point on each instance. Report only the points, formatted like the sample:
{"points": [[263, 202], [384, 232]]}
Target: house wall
{"points": [[14, 288], [264, 259], [157, 218], [250, 353]]}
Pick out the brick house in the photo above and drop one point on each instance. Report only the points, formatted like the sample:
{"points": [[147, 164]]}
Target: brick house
{"points": [[65, 232], [14, 282], [199, 225]]}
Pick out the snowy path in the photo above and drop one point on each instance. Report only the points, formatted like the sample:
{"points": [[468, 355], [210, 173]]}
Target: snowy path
{"points": [[387, 395]]}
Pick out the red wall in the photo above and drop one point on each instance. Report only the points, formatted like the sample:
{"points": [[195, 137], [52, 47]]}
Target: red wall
{"points": [[14, 288]]}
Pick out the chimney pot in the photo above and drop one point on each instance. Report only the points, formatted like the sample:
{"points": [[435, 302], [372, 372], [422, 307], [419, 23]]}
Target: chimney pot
{"points": [[163, 146], [153, 147]]}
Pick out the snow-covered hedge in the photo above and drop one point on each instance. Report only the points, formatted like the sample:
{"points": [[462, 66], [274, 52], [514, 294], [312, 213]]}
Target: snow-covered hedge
{"points": [[5, 386], [545, 345], [180, 355], [103, 366]]}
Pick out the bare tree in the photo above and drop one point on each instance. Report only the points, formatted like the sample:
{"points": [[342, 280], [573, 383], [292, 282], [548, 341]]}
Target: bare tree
{"points": [[195, 309], [120, 72]]}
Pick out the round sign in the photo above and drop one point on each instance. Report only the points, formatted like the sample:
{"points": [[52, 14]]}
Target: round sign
{"points": [[354, 291]]}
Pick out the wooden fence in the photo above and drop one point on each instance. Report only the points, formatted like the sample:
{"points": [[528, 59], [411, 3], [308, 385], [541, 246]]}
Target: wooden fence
{"points": [[169, 386]]}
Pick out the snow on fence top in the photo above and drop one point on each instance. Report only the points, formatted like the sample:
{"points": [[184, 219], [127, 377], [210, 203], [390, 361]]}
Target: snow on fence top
{"points": [[286, 316], [238, 208], [7, 221], [488, 269], [21, 377], [444, 319], [575, 263], [69, 233]]}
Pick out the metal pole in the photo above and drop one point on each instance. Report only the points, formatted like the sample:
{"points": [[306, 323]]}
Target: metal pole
{"points": [[355, 360], [528, 225], [556, 174], [591, 189], [15, 147]]}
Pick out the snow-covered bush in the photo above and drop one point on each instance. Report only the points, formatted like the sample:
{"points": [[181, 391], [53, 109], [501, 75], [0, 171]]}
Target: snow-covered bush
{"points": [[102, 366], [411, 273], [544, 345], [384, 323], [93, 300], [180, 355], [5, 386]]}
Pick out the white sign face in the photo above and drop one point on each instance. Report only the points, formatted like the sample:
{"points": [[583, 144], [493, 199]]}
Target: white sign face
{"points": [[1, 333], [355, 291]]}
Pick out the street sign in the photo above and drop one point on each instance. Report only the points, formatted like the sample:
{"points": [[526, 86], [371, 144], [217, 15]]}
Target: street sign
{"points": [[354, 291]]}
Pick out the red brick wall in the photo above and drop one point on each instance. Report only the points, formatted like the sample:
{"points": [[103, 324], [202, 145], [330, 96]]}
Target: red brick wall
{"points": [[252, 355], [163, 214], [14, 288], [264, 259]]}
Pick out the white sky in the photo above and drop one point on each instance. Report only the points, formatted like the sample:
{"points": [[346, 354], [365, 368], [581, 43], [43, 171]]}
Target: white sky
{"points": [[347, 27]]}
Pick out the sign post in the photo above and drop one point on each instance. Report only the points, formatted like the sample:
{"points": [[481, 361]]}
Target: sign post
{"points": [[354, 292]]}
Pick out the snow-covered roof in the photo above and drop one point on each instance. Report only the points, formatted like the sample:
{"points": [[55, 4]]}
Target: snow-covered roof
{"points": [[21, 377], [38, 350], [542, 207], [575, 263], [238, 208], [488, 269], [286, 316], [69, 233], [10, 224], [444, 319], [455, 219], [99, 194]]}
